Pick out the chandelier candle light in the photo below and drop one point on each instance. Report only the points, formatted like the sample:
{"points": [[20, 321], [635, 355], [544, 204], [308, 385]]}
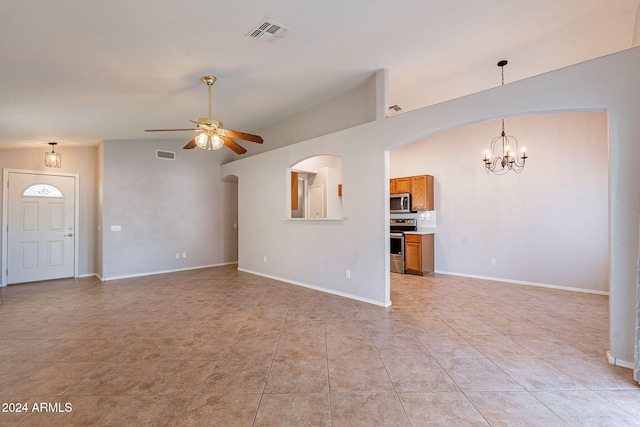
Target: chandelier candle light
{"points": [[53, 159], [504, 161]]}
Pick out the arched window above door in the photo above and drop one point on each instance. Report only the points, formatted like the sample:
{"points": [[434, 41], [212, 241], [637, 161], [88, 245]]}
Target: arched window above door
{"points": [[42, 190]]}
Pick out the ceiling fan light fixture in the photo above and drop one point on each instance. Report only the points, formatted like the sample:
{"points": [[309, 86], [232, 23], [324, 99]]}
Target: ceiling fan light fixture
{"points": [[212, 135], [218, 143], [201, 140], [209, 141]]}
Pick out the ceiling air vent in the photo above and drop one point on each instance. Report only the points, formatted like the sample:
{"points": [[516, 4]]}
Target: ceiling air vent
{"points": [[268, 31], [168, 155]]}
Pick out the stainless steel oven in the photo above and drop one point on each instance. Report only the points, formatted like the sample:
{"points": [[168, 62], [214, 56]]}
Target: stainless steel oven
{"points": [[397, 227]]}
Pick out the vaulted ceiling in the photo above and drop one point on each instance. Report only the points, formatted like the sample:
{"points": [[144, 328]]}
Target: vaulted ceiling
{"points": [[79, 72]]}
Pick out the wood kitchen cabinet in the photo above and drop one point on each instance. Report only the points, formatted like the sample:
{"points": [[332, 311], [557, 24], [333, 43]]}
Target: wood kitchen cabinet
{"points": [[422, 193], [294, 191], [418, 254], [400, 185], [420, 187]]}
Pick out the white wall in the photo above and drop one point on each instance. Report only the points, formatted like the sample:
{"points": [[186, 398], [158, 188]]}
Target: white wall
{"points": [[312, 164], [547, 225], [165, 207], [636, 370], [350, 109], [100, 207], [360, 242], [313, 252], [333, 178], [78, 160]]}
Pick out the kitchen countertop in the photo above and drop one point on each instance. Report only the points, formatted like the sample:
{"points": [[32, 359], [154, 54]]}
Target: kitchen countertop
{"points": [[425, 230]]}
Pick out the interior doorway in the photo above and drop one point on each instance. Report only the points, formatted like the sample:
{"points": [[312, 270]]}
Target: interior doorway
{"points": [[40, 216]]}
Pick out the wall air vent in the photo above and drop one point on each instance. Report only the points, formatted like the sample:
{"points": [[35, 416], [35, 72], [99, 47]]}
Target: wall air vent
{"points": [[395, 109], [167, 155], [268, 31]]}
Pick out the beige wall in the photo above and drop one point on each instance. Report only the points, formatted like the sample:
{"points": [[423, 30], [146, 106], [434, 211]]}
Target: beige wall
{"points": [[547, 225], [165, 207], [360, 242], [77, 160]]}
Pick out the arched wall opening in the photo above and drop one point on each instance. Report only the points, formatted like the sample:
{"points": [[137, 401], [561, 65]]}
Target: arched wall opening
{"points": [[547, 226], [315, 187], [604, 84]]}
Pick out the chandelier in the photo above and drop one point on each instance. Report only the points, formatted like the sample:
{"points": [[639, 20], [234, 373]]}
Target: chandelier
{"points": [[53, 159], [501, 157]]}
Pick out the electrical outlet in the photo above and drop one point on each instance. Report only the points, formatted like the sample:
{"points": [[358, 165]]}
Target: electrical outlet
{"points": [[184, 254], [265, 258], [177, 256], [347, 274], [493, 261]]}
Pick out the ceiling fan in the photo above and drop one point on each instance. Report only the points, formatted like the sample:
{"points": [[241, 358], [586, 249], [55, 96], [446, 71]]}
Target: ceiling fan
{"points": [[212, 135]]}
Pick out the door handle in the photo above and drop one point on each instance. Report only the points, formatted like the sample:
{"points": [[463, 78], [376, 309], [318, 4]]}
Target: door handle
{"points": [[68, 235]]}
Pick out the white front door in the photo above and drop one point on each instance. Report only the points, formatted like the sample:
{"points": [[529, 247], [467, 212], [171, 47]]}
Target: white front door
{"points": [[40, 227]]}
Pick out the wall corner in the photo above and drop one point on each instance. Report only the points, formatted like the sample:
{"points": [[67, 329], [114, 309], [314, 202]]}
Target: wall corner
{"points": [[382, 93]]}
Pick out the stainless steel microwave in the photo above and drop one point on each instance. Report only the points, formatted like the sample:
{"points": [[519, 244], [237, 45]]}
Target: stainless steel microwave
{"points": [[400, 203]]}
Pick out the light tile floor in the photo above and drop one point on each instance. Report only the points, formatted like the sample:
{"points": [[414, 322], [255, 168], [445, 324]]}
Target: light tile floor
{"points": [[221, 347]]}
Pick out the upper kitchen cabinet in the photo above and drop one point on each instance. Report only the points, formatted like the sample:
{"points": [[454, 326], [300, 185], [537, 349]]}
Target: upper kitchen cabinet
{"points": [[400, 185], [422, 193], [421, 190]]}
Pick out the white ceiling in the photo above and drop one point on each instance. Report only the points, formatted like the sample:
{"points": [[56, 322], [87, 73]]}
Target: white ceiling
{"points": [[79, 72]]}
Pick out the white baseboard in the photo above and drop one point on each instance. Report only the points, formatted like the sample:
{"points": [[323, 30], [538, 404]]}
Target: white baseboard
{"points": [[80, 276], [152, 273], [618, 362], [346, 295], [317, 288], [520, 282]]}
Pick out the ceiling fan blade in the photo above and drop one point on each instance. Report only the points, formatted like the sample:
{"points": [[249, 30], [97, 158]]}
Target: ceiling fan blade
{"points": [[191, 144], [237, 148], [167, 130], [244, 136]]}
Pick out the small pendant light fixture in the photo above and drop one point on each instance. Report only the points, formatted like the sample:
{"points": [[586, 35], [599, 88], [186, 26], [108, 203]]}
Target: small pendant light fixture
{"points": [[505, 159], [53, 159]]}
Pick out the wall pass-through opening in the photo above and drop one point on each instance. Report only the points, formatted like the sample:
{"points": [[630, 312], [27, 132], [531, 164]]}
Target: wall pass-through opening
{"points": [[316, 188]]}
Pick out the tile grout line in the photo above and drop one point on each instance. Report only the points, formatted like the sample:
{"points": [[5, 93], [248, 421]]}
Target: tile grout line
{"points": [[266, 380]]}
